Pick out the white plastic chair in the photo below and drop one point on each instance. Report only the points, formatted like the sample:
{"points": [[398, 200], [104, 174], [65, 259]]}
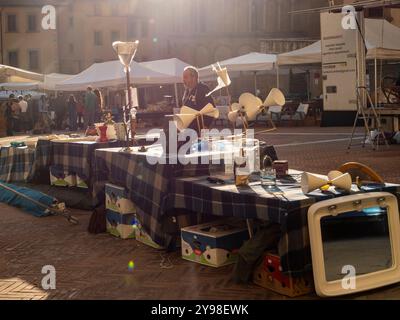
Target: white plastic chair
{"points": [[275, 112], [301, 111]]}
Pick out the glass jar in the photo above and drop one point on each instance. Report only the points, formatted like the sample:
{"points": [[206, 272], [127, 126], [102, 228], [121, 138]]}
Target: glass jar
{"points": [[267, 173]]}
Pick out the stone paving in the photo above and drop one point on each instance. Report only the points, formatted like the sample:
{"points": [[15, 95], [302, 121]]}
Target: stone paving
{"points": [[96, 266]]}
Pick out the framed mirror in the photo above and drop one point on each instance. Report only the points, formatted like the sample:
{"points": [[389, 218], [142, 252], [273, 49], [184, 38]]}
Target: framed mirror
{"points": [[355, 243]]}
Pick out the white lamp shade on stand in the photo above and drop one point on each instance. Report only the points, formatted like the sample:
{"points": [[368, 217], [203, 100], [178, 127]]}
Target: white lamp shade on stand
{"points": [[184, 120], [223, 78], [187, 115], [126, 51], [275, 98], [311, 182]]}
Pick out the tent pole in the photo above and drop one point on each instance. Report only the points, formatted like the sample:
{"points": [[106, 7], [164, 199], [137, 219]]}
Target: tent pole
{"points": [[176, 95], [376, 81], [255, 82], [277, 76]]}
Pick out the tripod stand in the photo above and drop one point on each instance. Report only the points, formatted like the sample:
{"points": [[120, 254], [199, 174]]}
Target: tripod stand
{"points": [[367, 114]]}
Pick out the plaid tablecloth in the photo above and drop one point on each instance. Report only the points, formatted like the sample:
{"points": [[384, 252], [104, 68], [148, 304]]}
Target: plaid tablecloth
{"points": [[76, 157], [287, 206], [41, 162], [148, 185], [15, 163]]}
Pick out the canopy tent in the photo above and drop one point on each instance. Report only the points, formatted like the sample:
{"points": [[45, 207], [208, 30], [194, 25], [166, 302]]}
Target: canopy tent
{"points": [[111, 74], [12, 74], [52, 79], [19, 86], [253, 61], [172, 67], [382, 40], [307, 55]]}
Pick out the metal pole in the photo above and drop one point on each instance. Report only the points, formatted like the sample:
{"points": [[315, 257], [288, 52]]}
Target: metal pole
{"points": [[176, 95], [128, 116], [277, 76], [255, 82], [376, 81], [1, 36]]}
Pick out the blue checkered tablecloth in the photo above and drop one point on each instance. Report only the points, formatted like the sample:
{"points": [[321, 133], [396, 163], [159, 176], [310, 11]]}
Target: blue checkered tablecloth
{"points": [[76, 157], [147, 185], [286, 206], [15, 163], [159, 190]]}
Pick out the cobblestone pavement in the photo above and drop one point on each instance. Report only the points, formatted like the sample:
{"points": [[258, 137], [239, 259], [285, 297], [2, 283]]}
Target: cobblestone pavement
{"points": [[96, 266]]}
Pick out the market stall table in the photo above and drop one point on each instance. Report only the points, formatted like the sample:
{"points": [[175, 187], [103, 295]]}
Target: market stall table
{"points": [[77, 157], [286, 205], [147, 180], [15, 163]]}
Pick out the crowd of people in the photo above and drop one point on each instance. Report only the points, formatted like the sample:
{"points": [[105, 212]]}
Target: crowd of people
{"points": [[42, 114]]}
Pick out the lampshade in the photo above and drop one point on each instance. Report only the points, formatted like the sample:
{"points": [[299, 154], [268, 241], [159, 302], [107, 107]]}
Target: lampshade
{"points": [[233, 115], [251, 105], [224, 76], [126, 51], [310, 182], [236, 106], [183, 120], [223, 79], [275, 98], [187, 115]]}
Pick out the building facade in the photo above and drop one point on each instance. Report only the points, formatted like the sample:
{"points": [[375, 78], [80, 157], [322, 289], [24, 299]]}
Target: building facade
{"points": [[199, 32], [23, 41]]}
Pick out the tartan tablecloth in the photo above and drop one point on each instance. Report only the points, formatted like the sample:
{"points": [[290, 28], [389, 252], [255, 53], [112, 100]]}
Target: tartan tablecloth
{"points": [[15, 163], [147, 185], [77, 157], [287, 206]]}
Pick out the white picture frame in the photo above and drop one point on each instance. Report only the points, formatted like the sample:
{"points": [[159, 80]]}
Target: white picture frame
{"points": [[339, 206]]}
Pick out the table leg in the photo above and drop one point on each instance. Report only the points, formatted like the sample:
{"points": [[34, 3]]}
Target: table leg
{"points": [[250, 225], [395, 123]]}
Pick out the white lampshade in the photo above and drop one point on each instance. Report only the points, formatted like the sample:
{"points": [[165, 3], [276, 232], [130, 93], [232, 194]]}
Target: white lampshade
{"points": [[233, 115], [334, 174], [187, 115], [224, 76], [343, 182], [310, 182], [126, 51], [184, 120], [251, 104], [275, 98]]}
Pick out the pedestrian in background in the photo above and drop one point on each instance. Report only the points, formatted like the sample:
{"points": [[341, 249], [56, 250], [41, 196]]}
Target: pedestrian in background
{"points": [[90, 107], [72, 112]]}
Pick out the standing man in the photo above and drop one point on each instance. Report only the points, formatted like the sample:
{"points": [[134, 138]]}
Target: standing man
{"points": [[195, 93], [60, 108], [90, 107]]}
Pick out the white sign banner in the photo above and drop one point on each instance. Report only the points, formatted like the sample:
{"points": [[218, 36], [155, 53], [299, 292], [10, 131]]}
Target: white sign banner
{"points": [[339, 63]]}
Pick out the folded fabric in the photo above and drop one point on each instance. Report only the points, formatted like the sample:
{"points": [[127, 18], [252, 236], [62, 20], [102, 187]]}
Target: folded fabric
{"points": [[250, 254]]}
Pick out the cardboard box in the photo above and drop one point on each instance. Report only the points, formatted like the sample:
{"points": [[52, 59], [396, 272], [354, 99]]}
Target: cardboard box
{"points": [[214, 244], [62, 179], [117, 199], [142, 236], [269, 275], [121, 225]]}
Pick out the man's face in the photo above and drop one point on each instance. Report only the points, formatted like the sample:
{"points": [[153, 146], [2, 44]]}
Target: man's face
{"points": [[189, 80]]}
